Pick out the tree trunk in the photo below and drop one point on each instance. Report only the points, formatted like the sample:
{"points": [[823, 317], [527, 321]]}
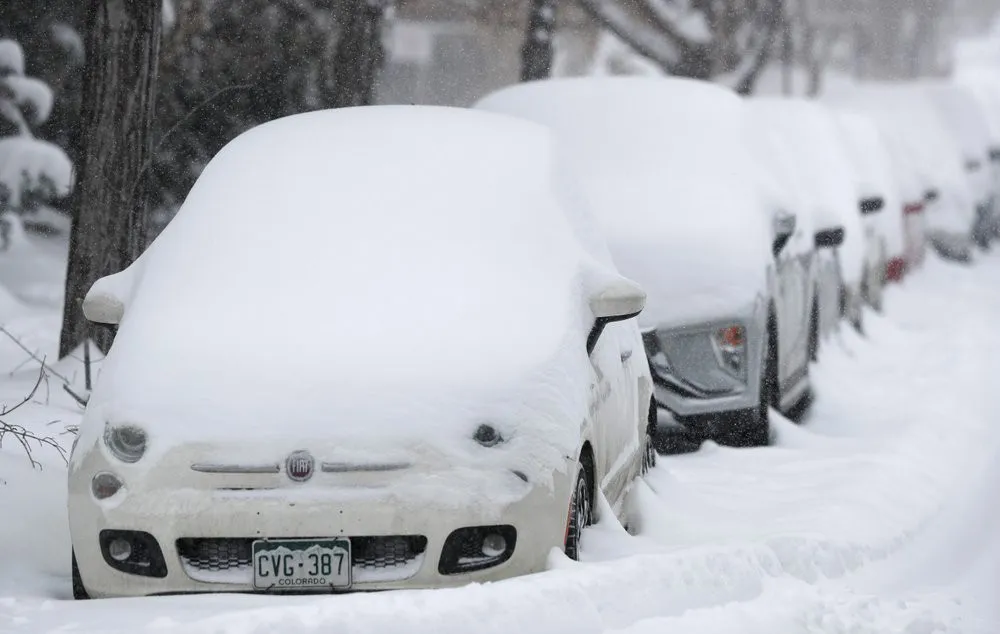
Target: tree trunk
{"points": [[109, 201], [536, 54], [771, 23], [359, 54]]}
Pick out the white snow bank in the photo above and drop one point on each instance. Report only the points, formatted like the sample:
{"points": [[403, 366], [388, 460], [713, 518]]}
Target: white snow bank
{"points": [[32, 95], [29, 163], [662, 164], [826, 169], [11, 57], [425, 280]]}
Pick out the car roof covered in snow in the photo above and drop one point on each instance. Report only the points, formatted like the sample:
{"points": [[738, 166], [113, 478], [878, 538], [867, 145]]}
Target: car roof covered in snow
{"points": [[357, 265], [662, 164], [826, 169], [873, 160]]}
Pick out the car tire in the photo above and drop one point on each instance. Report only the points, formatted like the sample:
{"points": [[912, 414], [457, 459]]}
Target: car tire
{"points": [[814, 332], [79, 592], [649, 451], [581, 509]]}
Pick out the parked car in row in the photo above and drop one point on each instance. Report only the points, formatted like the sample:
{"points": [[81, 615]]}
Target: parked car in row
{"points": [[424, 385], [832, 205], [440, 381], [985, 88], [908, 178], [664, 164]]}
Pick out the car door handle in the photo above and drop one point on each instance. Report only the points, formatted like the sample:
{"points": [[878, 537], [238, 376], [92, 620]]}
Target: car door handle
{"points": [[626, 355]]}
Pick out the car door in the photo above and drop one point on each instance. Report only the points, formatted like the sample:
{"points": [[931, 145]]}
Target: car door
{"points": [[786, 309], [614, 393], [802, 252]]}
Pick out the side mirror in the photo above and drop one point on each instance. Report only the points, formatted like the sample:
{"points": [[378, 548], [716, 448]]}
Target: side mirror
{"points": [[783, 227], [618, 301], [829, 238], [995, 154], [102, 305], [872, 205], [931, 195]]}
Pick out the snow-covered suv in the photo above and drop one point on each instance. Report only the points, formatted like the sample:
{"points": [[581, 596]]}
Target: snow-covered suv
{"points": [[664, 166], [371, 351]]}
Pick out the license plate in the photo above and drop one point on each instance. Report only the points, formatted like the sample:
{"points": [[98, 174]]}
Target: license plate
{"points": [[301, 564]]}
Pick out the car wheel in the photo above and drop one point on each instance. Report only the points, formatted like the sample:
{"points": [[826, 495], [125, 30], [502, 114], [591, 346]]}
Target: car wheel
{"points": [[649, 453], [581, 510], [79, 592], [814, 332]]}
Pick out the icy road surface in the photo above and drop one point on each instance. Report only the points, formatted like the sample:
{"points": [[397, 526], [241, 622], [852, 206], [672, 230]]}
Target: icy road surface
{"points": [[878, 514]]}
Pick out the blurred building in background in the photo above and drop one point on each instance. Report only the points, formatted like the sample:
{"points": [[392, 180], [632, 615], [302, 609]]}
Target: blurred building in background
{"points": [[451, 53]]}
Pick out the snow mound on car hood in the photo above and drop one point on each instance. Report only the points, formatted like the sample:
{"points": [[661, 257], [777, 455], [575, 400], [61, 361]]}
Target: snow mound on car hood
{"points": [[378, 275], [662, 163]]}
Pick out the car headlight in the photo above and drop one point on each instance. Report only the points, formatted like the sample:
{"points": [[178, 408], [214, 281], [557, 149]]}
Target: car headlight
{"points": [[658, 362], [125, 442], [730, 346]]}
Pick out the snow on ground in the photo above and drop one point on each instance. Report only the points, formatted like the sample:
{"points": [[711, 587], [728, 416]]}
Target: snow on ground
{"points": [[875, 515]]}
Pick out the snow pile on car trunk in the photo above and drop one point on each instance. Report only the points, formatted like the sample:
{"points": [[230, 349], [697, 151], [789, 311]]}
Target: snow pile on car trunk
{"points": [[662, 165], [375, 278]]}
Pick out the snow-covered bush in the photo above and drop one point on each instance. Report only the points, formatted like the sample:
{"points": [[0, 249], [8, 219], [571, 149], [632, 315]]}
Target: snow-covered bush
{"points": [[33, 172]]}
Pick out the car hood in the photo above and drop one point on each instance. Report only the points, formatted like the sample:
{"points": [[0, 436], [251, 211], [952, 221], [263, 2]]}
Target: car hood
{"points": [[687, 286]]}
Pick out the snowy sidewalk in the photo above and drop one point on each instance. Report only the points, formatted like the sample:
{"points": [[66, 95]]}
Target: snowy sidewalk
{"points": [[877, 514]]}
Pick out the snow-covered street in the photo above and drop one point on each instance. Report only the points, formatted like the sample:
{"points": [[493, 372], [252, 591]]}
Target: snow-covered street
{"points": [[877, 514]]}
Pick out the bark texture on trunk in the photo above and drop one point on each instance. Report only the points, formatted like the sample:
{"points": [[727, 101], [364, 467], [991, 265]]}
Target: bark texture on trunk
{"points": [[359, 54], [109, 201], [536, 54]]}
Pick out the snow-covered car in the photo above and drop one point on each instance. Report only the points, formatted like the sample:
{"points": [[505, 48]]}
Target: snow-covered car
{"points": [[916, 185], [663, 164], [968, 124], [779, 160], [985, 87], [872, 160], [949, 206], [371, 351], [832, 201]]}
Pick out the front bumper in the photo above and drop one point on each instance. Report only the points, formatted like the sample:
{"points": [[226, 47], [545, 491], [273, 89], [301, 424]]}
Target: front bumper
{"points": [[682, 401], [228, 517]]}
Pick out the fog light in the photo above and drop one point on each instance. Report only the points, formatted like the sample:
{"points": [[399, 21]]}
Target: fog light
{"points": [[494, 545], [105, 484], [477, 548], [119, 549]]}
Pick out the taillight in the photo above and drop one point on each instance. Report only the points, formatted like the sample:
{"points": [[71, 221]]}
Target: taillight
{"points": [[895, 269], [913, 208]]}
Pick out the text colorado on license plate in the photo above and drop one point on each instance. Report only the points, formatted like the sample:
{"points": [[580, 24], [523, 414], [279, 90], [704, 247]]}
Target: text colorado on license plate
{"points": [[301, 564]]}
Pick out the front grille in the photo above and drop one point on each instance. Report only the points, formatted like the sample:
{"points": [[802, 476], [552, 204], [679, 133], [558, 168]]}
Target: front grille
{"points": [[232, 554], [215, 554], [374, 553]]}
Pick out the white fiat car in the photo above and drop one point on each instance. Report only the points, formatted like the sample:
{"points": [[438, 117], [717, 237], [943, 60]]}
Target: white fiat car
{"points": [[373, 350]]}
